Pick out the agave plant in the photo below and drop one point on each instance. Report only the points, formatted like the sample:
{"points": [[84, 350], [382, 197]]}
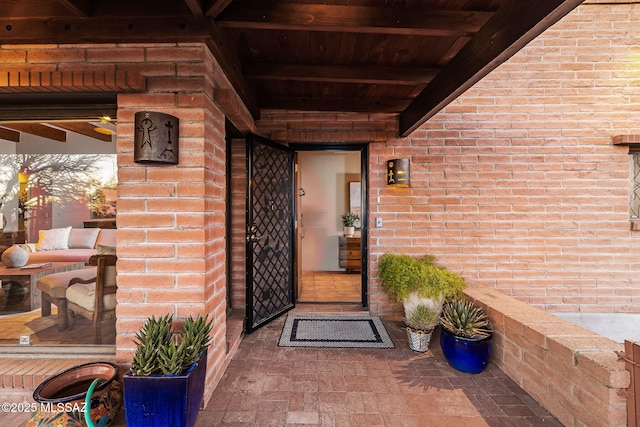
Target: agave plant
{"points": [[463, 319], [155, 333], [160, 351]]}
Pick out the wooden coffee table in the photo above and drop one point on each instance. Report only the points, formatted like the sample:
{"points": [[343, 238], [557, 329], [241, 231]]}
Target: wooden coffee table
{"points": [[27, 278]]}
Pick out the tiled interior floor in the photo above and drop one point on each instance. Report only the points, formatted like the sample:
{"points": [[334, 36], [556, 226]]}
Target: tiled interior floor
{"points": [[267, 385], [330, 286], [44, 330]]}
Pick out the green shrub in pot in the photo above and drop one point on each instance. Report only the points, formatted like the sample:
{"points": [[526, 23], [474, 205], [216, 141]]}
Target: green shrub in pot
{"points": [[414, 281]]}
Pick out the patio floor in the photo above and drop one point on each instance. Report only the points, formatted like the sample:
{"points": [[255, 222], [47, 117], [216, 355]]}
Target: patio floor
{"points": [[267, 385]]}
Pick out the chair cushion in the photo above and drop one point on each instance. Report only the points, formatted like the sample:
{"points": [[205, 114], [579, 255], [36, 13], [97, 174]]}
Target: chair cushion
{"points": [[110, 275], [55, 285], [85, 295]]}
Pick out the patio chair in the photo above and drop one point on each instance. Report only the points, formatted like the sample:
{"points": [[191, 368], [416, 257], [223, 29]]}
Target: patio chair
{"points": [[95, 298]]}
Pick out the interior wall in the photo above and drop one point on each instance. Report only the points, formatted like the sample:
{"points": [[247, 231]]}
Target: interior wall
{"points": [[325, 179], [60, 214]]}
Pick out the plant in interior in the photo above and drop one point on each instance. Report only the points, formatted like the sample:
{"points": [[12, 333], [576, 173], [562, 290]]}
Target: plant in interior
{"points": [[166, 380], [415, 281], [466, 335], [349, 219]]}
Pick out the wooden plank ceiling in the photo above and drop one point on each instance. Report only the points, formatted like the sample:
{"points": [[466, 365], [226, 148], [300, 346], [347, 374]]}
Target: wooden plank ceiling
{"points": [[409, 57]]}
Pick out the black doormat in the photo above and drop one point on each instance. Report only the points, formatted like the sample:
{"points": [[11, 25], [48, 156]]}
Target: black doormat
{"points": [[335, 332]]}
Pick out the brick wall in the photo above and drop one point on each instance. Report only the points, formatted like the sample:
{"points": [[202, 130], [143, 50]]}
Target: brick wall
{"points": [[574, 373], [171, 231], [238, 224], [171, 247], [516, 185]]}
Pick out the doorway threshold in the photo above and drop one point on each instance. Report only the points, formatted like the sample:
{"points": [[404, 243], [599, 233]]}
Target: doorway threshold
{"points": [[330, 307]]}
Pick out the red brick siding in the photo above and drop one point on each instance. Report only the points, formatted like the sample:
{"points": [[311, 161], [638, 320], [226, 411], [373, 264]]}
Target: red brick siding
{"points": [[186, 204], [238, 221], [171, 219], [516, 184]]}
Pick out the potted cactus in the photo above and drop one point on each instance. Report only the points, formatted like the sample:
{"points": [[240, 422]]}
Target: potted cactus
{"points": [[465, 336], [420, 325], [165, 384]]}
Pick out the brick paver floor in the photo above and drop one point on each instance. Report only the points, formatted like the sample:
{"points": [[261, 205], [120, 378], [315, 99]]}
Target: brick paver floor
{"points": [[267, 385]]}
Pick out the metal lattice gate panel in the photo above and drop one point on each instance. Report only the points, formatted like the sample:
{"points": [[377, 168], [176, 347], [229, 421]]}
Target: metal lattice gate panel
{"points": [[270, 215]]}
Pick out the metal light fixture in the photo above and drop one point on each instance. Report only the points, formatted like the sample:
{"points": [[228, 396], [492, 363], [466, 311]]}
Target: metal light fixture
{"points": [[106, 126], [156, 138], [398, 172]]}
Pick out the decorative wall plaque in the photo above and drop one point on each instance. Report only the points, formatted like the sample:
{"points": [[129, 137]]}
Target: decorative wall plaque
{"points": [[398, 172], [156, 138]]}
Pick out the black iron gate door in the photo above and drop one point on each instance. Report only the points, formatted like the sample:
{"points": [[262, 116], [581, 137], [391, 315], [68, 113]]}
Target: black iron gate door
{"points": [[270, 227]]}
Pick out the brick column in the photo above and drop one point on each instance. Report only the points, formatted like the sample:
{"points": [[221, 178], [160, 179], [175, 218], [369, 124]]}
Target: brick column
{"points": [[171, 218]]}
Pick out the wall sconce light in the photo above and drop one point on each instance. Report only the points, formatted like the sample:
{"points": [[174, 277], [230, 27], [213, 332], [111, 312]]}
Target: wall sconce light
{"points": [[156, 138], [398, 172]]}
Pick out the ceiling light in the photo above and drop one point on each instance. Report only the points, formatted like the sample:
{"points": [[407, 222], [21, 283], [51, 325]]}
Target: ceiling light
{"points": [[105, 126]]}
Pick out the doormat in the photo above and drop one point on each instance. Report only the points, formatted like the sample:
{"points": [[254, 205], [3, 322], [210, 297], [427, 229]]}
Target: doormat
{"points": [[335, 332]]}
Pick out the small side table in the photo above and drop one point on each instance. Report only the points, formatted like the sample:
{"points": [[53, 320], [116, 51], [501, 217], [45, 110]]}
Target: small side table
{"points": [[27, 278]]}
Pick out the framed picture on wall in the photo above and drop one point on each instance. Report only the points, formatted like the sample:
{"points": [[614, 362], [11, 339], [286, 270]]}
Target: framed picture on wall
{"points": [[355, 200]]}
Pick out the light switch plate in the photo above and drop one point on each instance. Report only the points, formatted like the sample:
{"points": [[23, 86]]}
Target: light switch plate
{"points": [[378, 222]]}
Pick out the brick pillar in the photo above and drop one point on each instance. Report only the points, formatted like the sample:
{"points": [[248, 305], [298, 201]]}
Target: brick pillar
{"points": [[171, 223]]}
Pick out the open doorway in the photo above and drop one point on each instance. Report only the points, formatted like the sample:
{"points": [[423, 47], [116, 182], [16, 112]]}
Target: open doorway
{"points": [[329, 183]]}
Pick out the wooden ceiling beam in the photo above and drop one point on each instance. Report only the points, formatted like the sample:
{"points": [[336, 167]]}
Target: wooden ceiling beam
{"points": [[128, 30], [213, 8], [354, 19], [106, 29], [513, 26], [38, 129], [195, 7], [81, 8], [358, 74], [223, 50], [9, 135], [83, 128]]}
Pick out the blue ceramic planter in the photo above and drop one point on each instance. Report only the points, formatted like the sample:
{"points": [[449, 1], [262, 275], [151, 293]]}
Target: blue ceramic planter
{"points": [[165, 400], [464, 354]]}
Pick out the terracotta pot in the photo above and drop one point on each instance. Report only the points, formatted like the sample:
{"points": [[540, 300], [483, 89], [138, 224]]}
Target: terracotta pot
{"points": [[62, 397]]}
